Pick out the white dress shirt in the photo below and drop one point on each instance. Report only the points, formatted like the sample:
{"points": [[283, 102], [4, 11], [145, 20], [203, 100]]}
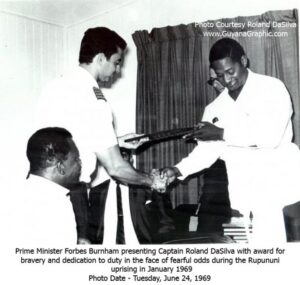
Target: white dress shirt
{"points": [[262, 163], [43, 214]]}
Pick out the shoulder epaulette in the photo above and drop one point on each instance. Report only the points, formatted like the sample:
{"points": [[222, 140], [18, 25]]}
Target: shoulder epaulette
{"points": [[99, 94]]}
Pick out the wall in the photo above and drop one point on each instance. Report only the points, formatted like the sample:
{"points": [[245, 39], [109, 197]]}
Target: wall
{"points": [[31, 52]]}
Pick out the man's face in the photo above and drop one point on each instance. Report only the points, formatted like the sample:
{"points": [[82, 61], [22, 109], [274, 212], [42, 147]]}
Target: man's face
{"points": [[108, 67], [230, 74], [72, 165]]}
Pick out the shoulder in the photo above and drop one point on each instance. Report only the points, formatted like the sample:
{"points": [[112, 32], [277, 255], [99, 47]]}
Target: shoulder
{"points": [[265, 80], [58, 87], [216, 107], [69, 88], [218, 101], [72, 79], [269, 90]]}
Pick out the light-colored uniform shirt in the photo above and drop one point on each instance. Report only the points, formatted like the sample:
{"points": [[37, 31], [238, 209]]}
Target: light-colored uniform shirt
{"points": [[261, 161], [43, 214], [70, 102]]}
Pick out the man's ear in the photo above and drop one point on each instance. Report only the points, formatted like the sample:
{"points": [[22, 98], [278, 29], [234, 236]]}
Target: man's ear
{"points": [[60, 168], [51, 161], [100, 58], [244, 60]]}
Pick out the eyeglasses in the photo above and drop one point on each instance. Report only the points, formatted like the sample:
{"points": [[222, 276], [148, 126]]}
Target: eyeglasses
{"points": [[211, 81]]}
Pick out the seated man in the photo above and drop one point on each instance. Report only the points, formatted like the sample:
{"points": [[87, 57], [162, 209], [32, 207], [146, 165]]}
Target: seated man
{"points": [[45, 214]]}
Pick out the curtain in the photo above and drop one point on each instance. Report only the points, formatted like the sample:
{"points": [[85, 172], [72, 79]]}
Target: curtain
{"points": [[173, 70]]}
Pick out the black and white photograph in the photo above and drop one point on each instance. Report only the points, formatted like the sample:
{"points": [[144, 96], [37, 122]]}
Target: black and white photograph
{"points": [[150, 141]]}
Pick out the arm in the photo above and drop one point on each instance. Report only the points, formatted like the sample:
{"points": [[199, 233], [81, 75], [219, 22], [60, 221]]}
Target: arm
{"points": [[208, 129], [261, 120], [122, 170], [202, 157]]}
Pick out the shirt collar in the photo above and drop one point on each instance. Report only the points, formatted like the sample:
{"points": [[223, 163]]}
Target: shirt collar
{"points": [[85, 75], [248, 83], [225, 93], [44, 181]]}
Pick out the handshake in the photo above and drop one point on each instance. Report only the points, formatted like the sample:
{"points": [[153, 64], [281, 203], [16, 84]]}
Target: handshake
{"points": [[161, 178]]}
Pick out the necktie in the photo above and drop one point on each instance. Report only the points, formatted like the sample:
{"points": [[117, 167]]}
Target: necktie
{"points": [[120, 238]]}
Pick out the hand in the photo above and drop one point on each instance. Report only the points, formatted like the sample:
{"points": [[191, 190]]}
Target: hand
{"points": [[160, 181], [171, 173], [133, 144], [206, 131]]}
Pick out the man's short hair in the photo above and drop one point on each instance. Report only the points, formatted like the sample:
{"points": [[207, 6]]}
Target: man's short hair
{"points": [[47, 144], [99, 40], [226, 47]]}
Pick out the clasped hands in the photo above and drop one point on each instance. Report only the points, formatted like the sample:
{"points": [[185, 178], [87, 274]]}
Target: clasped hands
{"points": [[163, 178]]}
